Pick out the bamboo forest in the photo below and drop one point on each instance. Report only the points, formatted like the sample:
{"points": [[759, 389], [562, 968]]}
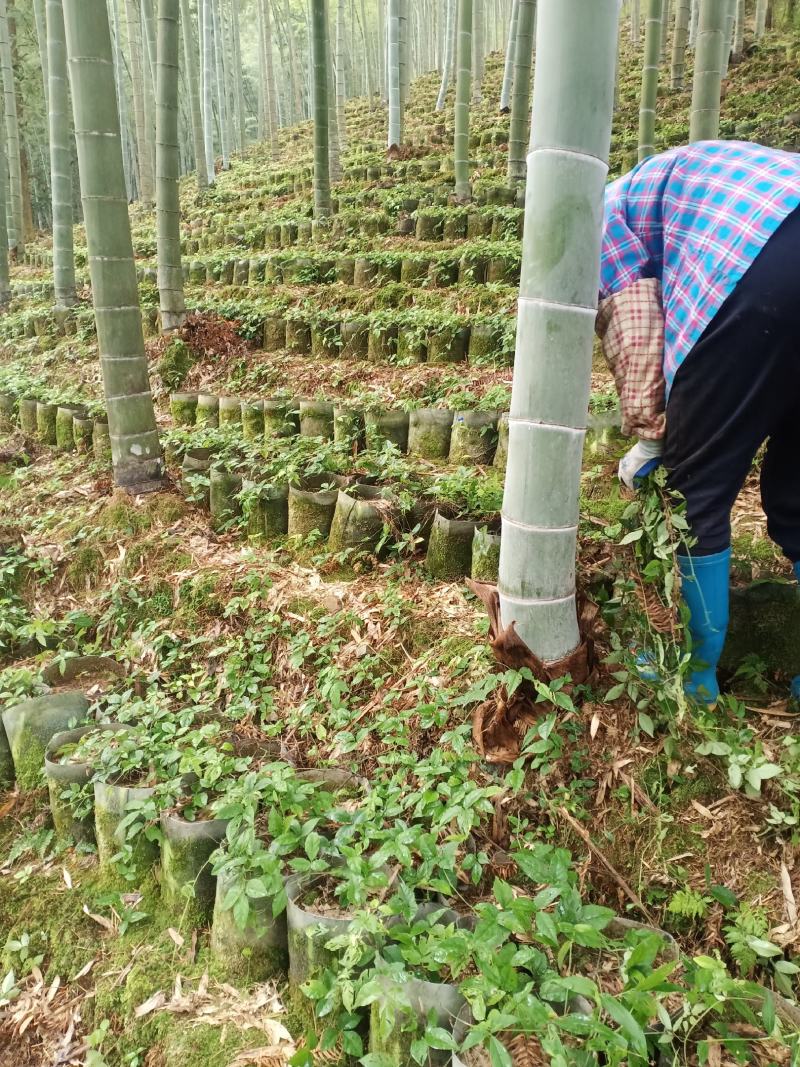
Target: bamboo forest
{"points": [[399, 594]]}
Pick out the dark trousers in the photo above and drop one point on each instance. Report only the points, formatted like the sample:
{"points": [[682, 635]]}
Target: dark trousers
{"points": [[738, 387]]}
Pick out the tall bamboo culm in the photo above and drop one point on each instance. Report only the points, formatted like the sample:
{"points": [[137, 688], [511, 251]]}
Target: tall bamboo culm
{"points": [[395, 137], [573, 96], [652, 60], [5, 280], [520, 100], [447, 59], [741, 17], [208, 89], [478, 35], [463, 86], [270, 91], [16, 228], [730, 29], [190, 63], [511, 55], [680, 42], [636, 21], [135, 450], [168, 168], [40, 17], [761, 18], [320, 56], [143, 156], [60, 157], [708, 66]]}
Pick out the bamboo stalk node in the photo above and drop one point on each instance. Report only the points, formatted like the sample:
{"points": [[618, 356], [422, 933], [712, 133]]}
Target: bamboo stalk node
{"points": [[499, 724]]}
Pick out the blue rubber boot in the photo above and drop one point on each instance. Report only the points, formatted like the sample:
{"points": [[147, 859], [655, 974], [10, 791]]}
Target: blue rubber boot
{"points": [[796, 679], [706, 591]]}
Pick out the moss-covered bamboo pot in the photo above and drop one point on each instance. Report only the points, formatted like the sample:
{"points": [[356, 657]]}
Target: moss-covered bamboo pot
{"points": [[474, 437], [207, 411], [449, 553], [6, 760], [360, 515], [196, 465], [46, 422], [355, 339], [316, 419], [429, 433], [485, 555], [298, 336], [274, 333], [501, 452], [101, 442], [308, 932], [230, 410], [395, 1027], [268, 515], [30, 725], [82, 430], [349, 426], [60, 775], [223, 497], [183, 408], [311, 508], [65, 434], [281, 418], [187, 884], [390, 426], [84, 673], [252, 420], [27, 415], [112, 802], [260, 949], [6, 411]]}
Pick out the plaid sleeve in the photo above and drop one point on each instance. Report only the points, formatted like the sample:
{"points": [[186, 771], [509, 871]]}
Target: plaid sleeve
{"points": [[630, 325], [624, 258]]}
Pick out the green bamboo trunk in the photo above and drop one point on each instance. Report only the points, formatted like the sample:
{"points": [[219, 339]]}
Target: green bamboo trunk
{"points": [[270, 94], [168, 168], [221, 77], [395, 103], [16, 226], [693, 24], [708, 66], [60, 158], [520, 100], [478, 36], [149, 73], [404, 64], [761, 17], [135, 450], [567, 170], [652, 60], [510, 60], [241, 129], [143, 156], [636, 21], [190, 66], [666, 15], [738, 40], [128, 158], [730, 30], [680, 42], [341, 79], [334, 157], [40, 18], [447, 59], [208, 90], [320, 55], [463, 79], [5, 282]]}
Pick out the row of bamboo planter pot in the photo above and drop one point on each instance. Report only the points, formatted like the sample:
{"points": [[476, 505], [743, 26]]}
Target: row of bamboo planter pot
{"points": [[435, 434], [476, 266], [345, 513], [26, 728], [66, 427], [496, 222]]}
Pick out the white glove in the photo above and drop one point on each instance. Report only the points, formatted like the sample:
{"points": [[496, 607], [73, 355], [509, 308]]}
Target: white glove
{"points": [[640, 461]]}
